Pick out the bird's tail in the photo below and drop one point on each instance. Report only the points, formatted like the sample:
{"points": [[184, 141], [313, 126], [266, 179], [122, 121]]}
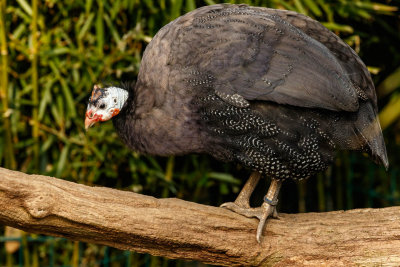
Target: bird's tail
{"points": [[367, 134], [372, 134]]}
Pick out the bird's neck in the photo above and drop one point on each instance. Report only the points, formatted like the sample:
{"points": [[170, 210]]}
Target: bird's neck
{"points": [[150, 124]]}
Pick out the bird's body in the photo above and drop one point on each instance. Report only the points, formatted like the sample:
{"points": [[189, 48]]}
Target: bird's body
{"points": [[177, 108], [271, 89]]}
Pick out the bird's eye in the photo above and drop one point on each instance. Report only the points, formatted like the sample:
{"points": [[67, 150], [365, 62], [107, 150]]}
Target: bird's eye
{"points": [[102, 106]]}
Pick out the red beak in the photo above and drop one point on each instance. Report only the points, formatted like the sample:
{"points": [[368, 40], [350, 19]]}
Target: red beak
{"points": [[90, 119]]}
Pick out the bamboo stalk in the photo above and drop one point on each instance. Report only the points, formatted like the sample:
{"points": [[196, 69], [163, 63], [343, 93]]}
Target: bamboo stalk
{"points": [[321, 192], [75, 254], [25, 249], [169, 172], [301, 187], [35, 94], [9, 153]]}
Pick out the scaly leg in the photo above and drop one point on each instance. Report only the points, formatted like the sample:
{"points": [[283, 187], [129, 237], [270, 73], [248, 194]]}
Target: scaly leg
{"points": [[268, 208], [241, 204]]}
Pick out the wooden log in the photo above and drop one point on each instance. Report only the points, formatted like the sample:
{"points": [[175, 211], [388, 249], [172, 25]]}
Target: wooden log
{"points": [[175, 228]]}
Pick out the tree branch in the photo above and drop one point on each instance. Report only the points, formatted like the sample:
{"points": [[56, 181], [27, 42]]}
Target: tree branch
{"points": [[179, 229]]}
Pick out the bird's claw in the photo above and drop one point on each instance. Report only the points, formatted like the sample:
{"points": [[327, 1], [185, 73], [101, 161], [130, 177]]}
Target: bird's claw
{"points": [[267, 211]]}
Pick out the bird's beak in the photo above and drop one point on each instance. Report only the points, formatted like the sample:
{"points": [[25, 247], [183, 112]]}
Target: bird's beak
{"points": [[88, 123], [90, 120]]}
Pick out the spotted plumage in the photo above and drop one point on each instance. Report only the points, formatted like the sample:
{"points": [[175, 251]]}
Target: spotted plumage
{"points": [[272, 139]]}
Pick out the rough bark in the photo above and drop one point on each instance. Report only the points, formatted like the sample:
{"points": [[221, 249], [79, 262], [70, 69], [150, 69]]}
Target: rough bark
{"points": [[179, 229]]}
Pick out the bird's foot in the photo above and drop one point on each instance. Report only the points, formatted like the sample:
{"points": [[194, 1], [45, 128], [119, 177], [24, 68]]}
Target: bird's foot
{"points": [[267, 210], [249, 212], [244, 210]]}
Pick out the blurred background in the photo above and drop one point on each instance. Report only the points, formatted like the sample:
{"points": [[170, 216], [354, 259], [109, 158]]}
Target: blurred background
{"points": [[52, 52]]}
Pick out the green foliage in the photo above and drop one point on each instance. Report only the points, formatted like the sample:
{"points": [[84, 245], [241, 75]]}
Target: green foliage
{"points": [[53, 52]]}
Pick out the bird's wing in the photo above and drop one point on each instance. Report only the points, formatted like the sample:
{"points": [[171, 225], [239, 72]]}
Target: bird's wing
{"points": [[249, 54], [346, 56]]}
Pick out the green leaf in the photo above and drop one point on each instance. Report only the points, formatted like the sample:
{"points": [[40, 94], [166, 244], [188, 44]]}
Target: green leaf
{"points": [[100, 29], [62, 161], [88, 6], [210, 2], [313, 7], [25, 6], [300, 8], [58, 51], [46, 98], [176, 9], [114, 32], [47, 144], [375, 6], [390, 113], [19, 31], [65, 89], [224, 177], [86, 26], [190, 5], [327, 10], [391, 83], [338, 27]]}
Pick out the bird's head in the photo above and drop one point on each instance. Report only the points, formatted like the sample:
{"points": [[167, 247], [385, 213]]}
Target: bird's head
{"points": [[104, 103]]}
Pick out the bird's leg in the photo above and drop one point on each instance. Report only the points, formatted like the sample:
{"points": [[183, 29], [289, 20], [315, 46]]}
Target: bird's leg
{"points": [[241, 204], [243, 198], [268, 208]]}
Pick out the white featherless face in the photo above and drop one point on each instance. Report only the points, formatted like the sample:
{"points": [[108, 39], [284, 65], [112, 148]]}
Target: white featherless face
{"points": [[104, 103]]}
